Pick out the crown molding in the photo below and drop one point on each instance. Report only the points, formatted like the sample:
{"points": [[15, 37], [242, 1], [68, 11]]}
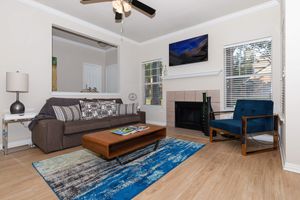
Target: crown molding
{"points": [[110, 49], [77, 20], [263, 6]]}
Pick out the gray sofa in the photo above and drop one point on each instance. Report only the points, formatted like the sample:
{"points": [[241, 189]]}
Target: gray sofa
{"points": [[51, 135]]}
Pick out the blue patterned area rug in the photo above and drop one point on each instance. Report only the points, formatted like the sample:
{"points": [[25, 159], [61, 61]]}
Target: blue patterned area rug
{"points": [[83, 175]]}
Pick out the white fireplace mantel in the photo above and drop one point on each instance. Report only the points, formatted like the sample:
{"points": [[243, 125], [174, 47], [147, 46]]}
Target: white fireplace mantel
{"points": [[192, 75]]}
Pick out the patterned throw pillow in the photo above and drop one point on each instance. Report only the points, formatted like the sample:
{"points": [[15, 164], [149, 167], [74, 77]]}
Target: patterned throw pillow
{"points": [[108, 108], [67, 113], [127, 109], [90, 110]]}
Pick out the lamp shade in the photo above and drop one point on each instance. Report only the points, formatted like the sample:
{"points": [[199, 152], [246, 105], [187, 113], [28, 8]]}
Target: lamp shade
{"points": [[16, 82]]}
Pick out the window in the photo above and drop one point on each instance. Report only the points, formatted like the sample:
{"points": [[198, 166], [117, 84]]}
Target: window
{"points": [[153, 84], [248, 71]]}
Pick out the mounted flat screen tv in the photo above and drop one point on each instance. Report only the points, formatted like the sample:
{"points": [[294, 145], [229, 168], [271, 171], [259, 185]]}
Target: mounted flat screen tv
{"points": [[189, 51]]}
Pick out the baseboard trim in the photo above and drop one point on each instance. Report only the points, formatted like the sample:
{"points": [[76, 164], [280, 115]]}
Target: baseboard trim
{"points": [[285, 165], [157, 123], [18, 143], [292, 167], [282, 154]]}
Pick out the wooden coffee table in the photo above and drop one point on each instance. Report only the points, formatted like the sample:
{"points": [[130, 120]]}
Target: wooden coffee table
{"points": [[111, 145]]}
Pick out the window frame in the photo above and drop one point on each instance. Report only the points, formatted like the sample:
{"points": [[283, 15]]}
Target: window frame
{"points": [[241, 76], [147, 84]]}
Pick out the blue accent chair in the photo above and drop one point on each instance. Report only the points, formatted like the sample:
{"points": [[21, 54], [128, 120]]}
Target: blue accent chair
{"points": [[249, 117]]}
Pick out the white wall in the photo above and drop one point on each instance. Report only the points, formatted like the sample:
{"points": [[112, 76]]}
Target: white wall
{"points": [[26, 45], [70, 60], [111, 56], [112, 83], [252, 24], [112, 68], [292, 135]]}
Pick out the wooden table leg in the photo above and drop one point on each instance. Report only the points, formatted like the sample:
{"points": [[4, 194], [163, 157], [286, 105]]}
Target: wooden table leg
{"points": [[128, 161], [119, 161], [156, 145]]}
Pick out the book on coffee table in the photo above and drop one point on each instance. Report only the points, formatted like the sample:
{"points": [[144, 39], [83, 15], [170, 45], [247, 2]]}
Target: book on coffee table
{"points": [[129, 130]]}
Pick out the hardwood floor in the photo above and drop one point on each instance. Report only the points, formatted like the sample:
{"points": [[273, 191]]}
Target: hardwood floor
{"points": [[218, 171]]}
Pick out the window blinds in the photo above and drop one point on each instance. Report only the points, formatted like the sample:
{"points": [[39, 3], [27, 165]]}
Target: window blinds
{"points": [[248, 71]]}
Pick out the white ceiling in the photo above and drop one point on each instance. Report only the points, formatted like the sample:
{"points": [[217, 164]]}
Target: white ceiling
{"points": [[171, 15]]}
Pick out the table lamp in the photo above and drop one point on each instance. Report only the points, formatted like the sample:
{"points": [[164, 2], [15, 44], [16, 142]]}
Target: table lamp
{"points": [[17, 82]]}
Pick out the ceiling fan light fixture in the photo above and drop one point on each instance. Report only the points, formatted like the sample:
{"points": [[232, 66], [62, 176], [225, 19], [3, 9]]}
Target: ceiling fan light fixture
{"points": [[118, 16], [121, 6]]}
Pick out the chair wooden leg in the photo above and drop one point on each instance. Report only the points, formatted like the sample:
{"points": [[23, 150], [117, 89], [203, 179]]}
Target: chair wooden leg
{"points": [[211, 139], [244, 149], [244, 136], [275, 140], [275, 135]]}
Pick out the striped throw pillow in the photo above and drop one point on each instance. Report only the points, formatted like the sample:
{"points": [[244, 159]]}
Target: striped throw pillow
{"points": [[67, 113], [127, 109]]}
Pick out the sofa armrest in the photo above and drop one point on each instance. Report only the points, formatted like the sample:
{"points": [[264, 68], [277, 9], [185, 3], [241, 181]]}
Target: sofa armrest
{"points": [[48, 135], [142, 115], [245, 120]]}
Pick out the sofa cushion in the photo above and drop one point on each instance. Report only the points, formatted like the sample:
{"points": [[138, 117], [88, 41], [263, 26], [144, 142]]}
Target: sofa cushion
{"points": [[86, 125], [124, 119], [127, 109], [108, 108], [252, 108], [67, 113], [90, 110], [54, 101], [47, 109], [235, 126]]}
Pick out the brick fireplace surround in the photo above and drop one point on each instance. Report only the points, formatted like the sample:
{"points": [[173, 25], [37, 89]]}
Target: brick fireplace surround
{"points": [[189, 96]]}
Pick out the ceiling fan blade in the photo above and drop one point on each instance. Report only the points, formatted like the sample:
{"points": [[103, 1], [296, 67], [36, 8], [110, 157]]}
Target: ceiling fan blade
{"points": [[92, 1], [142, 7], [118, 16]]}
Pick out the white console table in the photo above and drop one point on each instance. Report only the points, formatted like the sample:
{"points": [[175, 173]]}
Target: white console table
{"points": [[13, 118]]}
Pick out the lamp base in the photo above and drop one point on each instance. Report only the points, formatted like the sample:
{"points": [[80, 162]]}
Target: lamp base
{"points": [[17, 108]]}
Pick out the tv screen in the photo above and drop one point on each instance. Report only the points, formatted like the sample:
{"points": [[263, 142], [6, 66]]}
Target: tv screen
{"points": [[189, 51]]}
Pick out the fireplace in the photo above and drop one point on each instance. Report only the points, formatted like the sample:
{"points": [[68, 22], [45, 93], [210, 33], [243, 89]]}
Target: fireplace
{"points": [[210, 100], [189, 115]]}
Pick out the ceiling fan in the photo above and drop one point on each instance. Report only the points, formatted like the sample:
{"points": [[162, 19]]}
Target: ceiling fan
{"points": [[123, 7]]}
